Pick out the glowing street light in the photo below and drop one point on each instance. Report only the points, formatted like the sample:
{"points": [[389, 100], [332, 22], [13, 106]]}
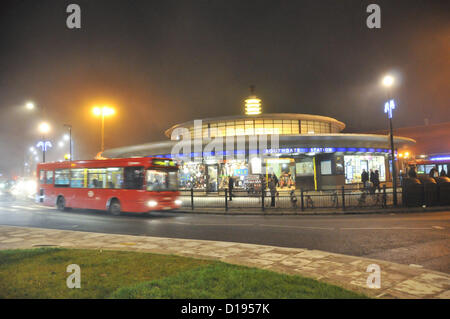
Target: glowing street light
{"points": [[44, 128], [29, 106], [388, 81], [103, 111]]}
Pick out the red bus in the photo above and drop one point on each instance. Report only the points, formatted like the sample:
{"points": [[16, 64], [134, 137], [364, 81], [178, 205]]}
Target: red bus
{"points": [[116, 185]]}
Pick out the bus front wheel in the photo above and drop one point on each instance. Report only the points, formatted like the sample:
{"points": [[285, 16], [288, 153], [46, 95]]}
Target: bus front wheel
{"points": [[114, 208]]}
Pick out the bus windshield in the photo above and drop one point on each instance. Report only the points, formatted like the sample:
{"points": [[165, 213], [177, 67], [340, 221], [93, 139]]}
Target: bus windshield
{"points": [[159, 180]]}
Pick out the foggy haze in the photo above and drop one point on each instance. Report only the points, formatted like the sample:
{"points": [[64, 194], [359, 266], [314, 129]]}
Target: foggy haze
{"points": [[165, 62]]}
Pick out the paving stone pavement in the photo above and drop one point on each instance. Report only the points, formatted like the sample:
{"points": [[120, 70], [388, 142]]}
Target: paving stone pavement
{"points": [[397, 281]]}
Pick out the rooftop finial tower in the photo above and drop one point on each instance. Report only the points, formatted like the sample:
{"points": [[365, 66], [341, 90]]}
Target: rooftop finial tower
{"points": [[252, 104]]}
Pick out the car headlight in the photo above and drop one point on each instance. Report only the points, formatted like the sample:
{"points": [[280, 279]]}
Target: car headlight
{"points": [[178, 202], [152, 203]]}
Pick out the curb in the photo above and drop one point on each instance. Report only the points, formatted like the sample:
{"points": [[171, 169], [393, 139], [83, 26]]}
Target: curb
{"points": [[282, 212]]}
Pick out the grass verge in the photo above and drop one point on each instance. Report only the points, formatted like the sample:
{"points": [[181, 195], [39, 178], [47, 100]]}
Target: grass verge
{"points": [[41, 273]]}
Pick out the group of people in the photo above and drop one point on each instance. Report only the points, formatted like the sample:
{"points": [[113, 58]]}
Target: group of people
{"points": [[371, 177], [271, 184]]}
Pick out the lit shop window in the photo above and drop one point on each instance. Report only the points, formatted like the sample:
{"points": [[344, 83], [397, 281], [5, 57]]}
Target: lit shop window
{"points": [[355, 164]]}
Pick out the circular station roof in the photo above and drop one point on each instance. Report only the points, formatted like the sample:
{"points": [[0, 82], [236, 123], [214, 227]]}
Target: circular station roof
{"points": [[337, 142], [289, 123]]}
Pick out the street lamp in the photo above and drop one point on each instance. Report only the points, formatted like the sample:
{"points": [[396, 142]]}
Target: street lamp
{"points": [[103, 111], [44, 128], [388, 81], [69, 137], [29, 106]]}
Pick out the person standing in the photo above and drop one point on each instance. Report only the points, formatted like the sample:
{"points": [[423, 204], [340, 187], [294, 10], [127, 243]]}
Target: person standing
{"points": [[376, 182], [442, 174], [230, 187], [273, 191], [371, 179], [364, 178], [275, 179]]}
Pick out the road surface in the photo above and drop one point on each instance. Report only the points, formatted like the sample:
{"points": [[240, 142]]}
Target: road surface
{"points": [[420, 239]]}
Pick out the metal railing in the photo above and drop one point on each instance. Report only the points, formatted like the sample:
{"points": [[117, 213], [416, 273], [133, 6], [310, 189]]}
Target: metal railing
{"points": [[299, 200]]}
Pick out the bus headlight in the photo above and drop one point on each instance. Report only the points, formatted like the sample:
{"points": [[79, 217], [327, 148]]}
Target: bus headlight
{"points": [[152, 203], [178, 202]]}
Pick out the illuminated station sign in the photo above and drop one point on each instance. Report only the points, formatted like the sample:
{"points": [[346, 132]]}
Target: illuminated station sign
{"points": [[292, 150]]}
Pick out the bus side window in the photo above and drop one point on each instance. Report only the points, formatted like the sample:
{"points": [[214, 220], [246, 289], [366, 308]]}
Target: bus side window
{"points": [[97, 178], [77, 178], [62, 178], [49, 178], [134, 178], [114, 177], [41, 177]]}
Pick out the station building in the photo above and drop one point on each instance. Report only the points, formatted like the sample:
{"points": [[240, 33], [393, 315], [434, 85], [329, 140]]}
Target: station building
{"points": [[302, 150]]}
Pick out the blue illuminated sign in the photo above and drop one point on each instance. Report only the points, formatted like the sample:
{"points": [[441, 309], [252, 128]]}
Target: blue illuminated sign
{"points": [[440, 158], [241, 172], [44, 145], [388, 107], [292, 150]]}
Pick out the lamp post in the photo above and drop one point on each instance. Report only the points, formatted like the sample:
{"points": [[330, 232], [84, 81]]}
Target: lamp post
{"points": [[387, 82], [103, 111], [70, 140], [44, 128]]}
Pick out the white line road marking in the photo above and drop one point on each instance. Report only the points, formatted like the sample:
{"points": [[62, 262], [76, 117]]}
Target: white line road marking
{"points": [[299, 227], [386, 228], [221, 224], [25, 207], [260, 225]]}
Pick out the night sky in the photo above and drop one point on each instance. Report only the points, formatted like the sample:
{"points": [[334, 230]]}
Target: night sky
{"points": [[164, 62]]}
